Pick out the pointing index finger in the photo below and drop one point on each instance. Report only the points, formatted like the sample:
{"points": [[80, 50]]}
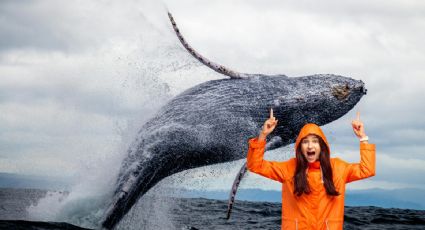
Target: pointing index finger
{"points": [[271, 112], [358, 116]]}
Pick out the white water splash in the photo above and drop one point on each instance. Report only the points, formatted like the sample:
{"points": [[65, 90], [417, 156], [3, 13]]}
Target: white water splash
{"points": [[136, 65]]}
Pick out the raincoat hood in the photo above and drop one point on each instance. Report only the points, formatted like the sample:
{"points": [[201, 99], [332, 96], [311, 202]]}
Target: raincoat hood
{"points": [[311, 128]]}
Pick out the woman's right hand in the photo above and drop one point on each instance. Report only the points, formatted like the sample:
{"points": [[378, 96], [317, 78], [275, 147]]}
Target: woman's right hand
{"points": [[268, 126]]}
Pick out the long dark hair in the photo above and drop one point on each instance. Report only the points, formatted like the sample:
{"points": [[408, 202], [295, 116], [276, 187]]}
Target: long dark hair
{"points": [[300, 177]]}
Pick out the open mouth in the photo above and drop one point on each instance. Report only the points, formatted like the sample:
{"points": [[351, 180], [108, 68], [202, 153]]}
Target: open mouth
{"points": [[310, 154]]}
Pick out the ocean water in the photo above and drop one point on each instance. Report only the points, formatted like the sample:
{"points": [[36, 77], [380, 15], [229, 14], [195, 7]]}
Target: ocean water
{"points": [[161, 212]]}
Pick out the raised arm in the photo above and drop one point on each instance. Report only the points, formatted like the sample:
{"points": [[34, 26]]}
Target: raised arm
{"points": [[255, 162], [366, 167]]}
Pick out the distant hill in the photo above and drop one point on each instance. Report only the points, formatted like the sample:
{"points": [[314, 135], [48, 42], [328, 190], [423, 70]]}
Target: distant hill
{"points": [[397, 198], [11, 180]]}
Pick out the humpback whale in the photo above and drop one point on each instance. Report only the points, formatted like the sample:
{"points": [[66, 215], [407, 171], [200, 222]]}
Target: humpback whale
{"points": [[211, 123]]}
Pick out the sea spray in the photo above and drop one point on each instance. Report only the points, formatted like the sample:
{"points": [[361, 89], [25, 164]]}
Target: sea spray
{"points": [[137, 65]]}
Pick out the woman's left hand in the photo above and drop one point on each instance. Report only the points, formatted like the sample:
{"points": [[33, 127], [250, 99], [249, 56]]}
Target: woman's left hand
{"points": [[358, 127]]}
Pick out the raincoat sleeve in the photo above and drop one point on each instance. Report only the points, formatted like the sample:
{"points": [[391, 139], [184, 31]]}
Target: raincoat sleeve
{"points": [[366, 167], [255, 162]]}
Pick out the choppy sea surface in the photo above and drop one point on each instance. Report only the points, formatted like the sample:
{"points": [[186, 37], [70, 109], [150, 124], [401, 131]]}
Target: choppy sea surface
{"points": [[201, 213]]}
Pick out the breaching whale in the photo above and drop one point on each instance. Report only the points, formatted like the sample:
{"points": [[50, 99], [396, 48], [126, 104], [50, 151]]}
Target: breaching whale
{"points": [[211, 123]]}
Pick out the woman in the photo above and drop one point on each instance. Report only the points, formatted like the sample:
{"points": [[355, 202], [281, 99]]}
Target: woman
{"points": [[313, 184]]}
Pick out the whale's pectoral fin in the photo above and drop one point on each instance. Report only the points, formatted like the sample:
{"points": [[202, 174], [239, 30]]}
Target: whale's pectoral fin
{"points": [[235, 185], [274, 143], [216, 67]]}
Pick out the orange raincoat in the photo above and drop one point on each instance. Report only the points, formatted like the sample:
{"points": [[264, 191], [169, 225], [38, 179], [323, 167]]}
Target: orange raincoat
{"points": [[316, 210]]}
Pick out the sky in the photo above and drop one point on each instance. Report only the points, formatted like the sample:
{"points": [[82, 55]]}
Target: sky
{"points": [[79, 78]]}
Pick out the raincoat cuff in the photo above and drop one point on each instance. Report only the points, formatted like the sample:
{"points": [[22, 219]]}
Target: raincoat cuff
{"points": [[255, 143], [367, 146]]}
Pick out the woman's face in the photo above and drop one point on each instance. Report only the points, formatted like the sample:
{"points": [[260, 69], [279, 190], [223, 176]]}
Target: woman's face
{"points": [[310, 148]]}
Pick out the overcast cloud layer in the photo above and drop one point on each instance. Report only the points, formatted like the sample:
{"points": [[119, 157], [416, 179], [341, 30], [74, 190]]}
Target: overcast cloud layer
{"points": [[78, 78]]}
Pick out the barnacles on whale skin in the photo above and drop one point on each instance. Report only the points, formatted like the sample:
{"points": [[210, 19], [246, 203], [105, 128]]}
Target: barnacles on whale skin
{"points": [[341, 92]]}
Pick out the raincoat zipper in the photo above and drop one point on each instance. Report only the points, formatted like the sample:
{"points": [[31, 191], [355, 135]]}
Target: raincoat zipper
{"points": [[296, 223], [321, 174]]}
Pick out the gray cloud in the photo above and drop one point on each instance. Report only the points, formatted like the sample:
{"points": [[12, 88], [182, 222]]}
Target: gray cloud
{"points": [[37, 25], [68, 27]]}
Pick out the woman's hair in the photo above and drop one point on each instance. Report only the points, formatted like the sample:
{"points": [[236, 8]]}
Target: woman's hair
{"points": [[300, 177]]}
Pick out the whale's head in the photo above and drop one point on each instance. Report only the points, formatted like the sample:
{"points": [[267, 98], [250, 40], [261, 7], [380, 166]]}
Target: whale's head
{"points": [[318, 99]]}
